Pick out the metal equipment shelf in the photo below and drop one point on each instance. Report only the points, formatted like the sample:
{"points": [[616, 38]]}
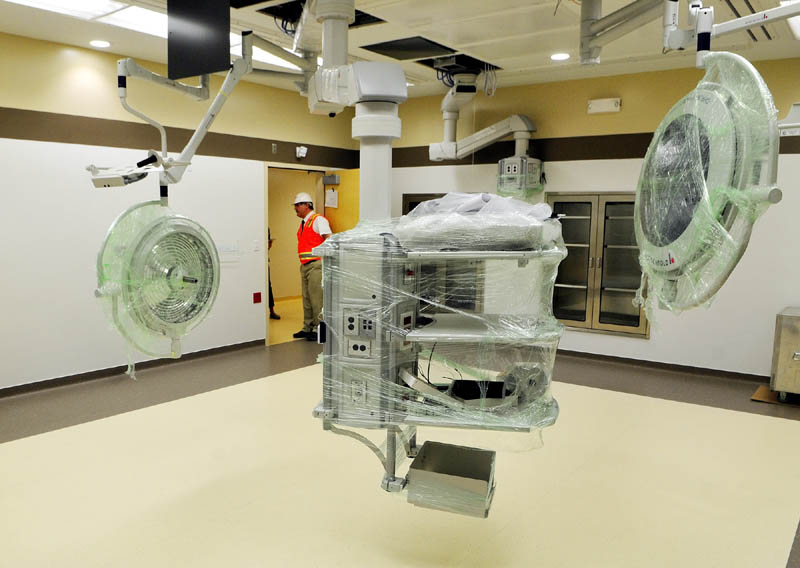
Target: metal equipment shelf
{"points": [[462, 328], [483, 254]]}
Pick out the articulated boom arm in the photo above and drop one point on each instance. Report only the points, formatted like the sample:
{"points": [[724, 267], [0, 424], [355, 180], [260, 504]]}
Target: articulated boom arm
{"points": [[518, 125], [170, 170]]}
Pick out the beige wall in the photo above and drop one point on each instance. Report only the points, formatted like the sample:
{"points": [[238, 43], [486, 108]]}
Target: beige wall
{"points": [[559, 109], [283, 185], [346, 215], [52, 77]]}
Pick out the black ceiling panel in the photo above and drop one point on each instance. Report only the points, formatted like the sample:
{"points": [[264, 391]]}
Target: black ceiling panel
{"points": [[409, 48], [289, 11], [458, 63], [364, 19], [244, 3]]}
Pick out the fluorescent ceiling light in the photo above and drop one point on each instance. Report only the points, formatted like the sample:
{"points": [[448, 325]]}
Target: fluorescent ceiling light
{"points": [[101, 43], [559, 56], [260, 55], [139, 20], [85, 9], [794, 23]]}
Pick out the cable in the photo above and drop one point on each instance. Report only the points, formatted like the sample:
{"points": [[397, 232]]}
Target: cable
{"points": [[445, 77], [287, 27], [489, 80], [430, 358]]}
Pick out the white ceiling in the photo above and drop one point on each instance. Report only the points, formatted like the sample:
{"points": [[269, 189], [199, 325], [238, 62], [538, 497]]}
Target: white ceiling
{"points": [[516, 35]]}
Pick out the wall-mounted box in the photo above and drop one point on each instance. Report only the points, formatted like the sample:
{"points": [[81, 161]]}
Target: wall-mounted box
{"points": [[597, 106]]}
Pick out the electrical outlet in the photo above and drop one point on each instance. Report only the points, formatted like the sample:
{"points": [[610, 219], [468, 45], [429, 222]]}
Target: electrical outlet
{"points": [[351, 322], [366, 326], [358, 390], [359, 348]]}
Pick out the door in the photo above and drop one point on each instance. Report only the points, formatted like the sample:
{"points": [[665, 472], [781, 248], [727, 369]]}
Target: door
{"points": [[618, 274], [572, 295]]}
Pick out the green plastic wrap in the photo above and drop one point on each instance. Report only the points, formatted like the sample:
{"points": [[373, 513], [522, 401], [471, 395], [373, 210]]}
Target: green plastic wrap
{"points": [[157, 277], [709, 173]]}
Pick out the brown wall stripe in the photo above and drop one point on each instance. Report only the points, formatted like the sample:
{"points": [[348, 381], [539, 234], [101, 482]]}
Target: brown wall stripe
{"points": [[52, 127], [608, 147]]}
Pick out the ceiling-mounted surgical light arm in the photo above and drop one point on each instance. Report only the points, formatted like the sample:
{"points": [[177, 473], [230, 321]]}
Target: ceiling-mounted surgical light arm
{"points": [[279, 52], [702, 20], [597, 31], [170, 170]]}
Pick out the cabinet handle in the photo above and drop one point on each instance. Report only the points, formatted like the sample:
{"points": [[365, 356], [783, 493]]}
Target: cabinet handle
{"points": [[591, 262], [796, 356]]}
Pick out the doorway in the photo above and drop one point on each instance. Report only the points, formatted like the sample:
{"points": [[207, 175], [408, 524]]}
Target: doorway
{"points": [[283, 185]]}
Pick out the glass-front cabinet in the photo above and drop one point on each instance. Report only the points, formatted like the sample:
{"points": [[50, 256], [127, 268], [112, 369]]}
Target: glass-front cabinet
{"points": [[597, 282]]}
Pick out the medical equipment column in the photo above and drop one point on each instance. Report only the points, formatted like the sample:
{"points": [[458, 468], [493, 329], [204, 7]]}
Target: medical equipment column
{"points": [[375, 125]]}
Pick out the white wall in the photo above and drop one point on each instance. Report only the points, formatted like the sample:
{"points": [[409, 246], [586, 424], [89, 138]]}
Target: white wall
{"points": [[736, 332], [441, 179], [53, 223]]}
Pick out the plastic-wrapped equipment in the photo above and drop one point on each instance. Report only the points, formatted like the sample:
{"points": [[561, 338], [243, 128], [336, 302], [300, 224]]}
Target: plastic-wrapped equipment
{"points": [[442, 318], [157, 276], [709, 173]]}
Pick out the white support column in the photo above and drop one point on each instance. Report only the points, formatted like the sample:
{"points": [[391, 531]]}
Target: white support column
{"points": [[335, 17], [521, 141], [450, 125], [590, 13], [375, 125], [334, 42]]}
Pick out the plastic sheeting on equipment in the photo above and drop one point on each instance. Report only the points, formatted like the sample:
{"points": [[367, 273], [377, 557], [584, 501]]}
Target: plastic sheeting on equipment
{"points": [[709, 173]]}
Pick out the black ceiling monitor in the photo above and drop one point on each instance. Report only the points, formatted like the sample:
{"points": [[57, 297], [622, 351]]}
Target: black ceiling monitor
{"points": [[199, 40]]}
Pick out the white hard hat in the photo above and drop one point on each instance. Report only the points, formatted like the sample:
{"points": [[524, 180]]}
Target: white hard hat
{"points": [[303, 198]]}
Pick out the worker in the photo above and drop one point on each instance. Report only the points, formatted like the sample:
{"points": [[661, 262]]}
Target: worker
{"points": [[314, 229]]}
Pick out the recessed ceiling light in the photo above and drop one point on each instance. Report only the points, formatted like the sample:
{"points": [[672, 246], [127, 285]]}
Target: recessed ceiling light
{"points": [[559, 56], [139, 20], [101, 43], [85, 9], [794, 23]]}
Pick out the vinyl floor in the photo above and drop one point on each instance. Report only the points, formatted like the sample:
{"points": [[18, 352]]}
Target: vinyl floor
{"points": [[216, 460], [244, 476]]}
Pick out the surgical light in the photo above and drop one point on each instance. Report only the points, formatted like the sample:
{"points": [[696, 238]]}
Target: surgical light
{"points": [[559, 56], [139, 20], [101, 43], [84, 9]]}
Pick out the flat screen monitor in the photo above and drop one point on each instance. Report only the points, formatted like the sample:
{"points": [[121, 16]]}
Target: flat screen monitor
{"points": [[199, 40]]}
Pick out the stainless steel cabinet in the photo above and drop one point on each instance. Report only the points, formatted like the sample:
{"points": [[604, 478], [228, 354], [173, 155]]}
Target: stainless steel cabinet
{"points": [[785, 375], [597, 282]]}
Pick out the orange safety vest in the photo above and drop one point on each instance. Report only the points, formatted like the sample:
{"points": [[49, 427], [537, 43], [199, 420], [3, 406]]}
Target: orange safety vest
{"points": [[307, 239]]}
